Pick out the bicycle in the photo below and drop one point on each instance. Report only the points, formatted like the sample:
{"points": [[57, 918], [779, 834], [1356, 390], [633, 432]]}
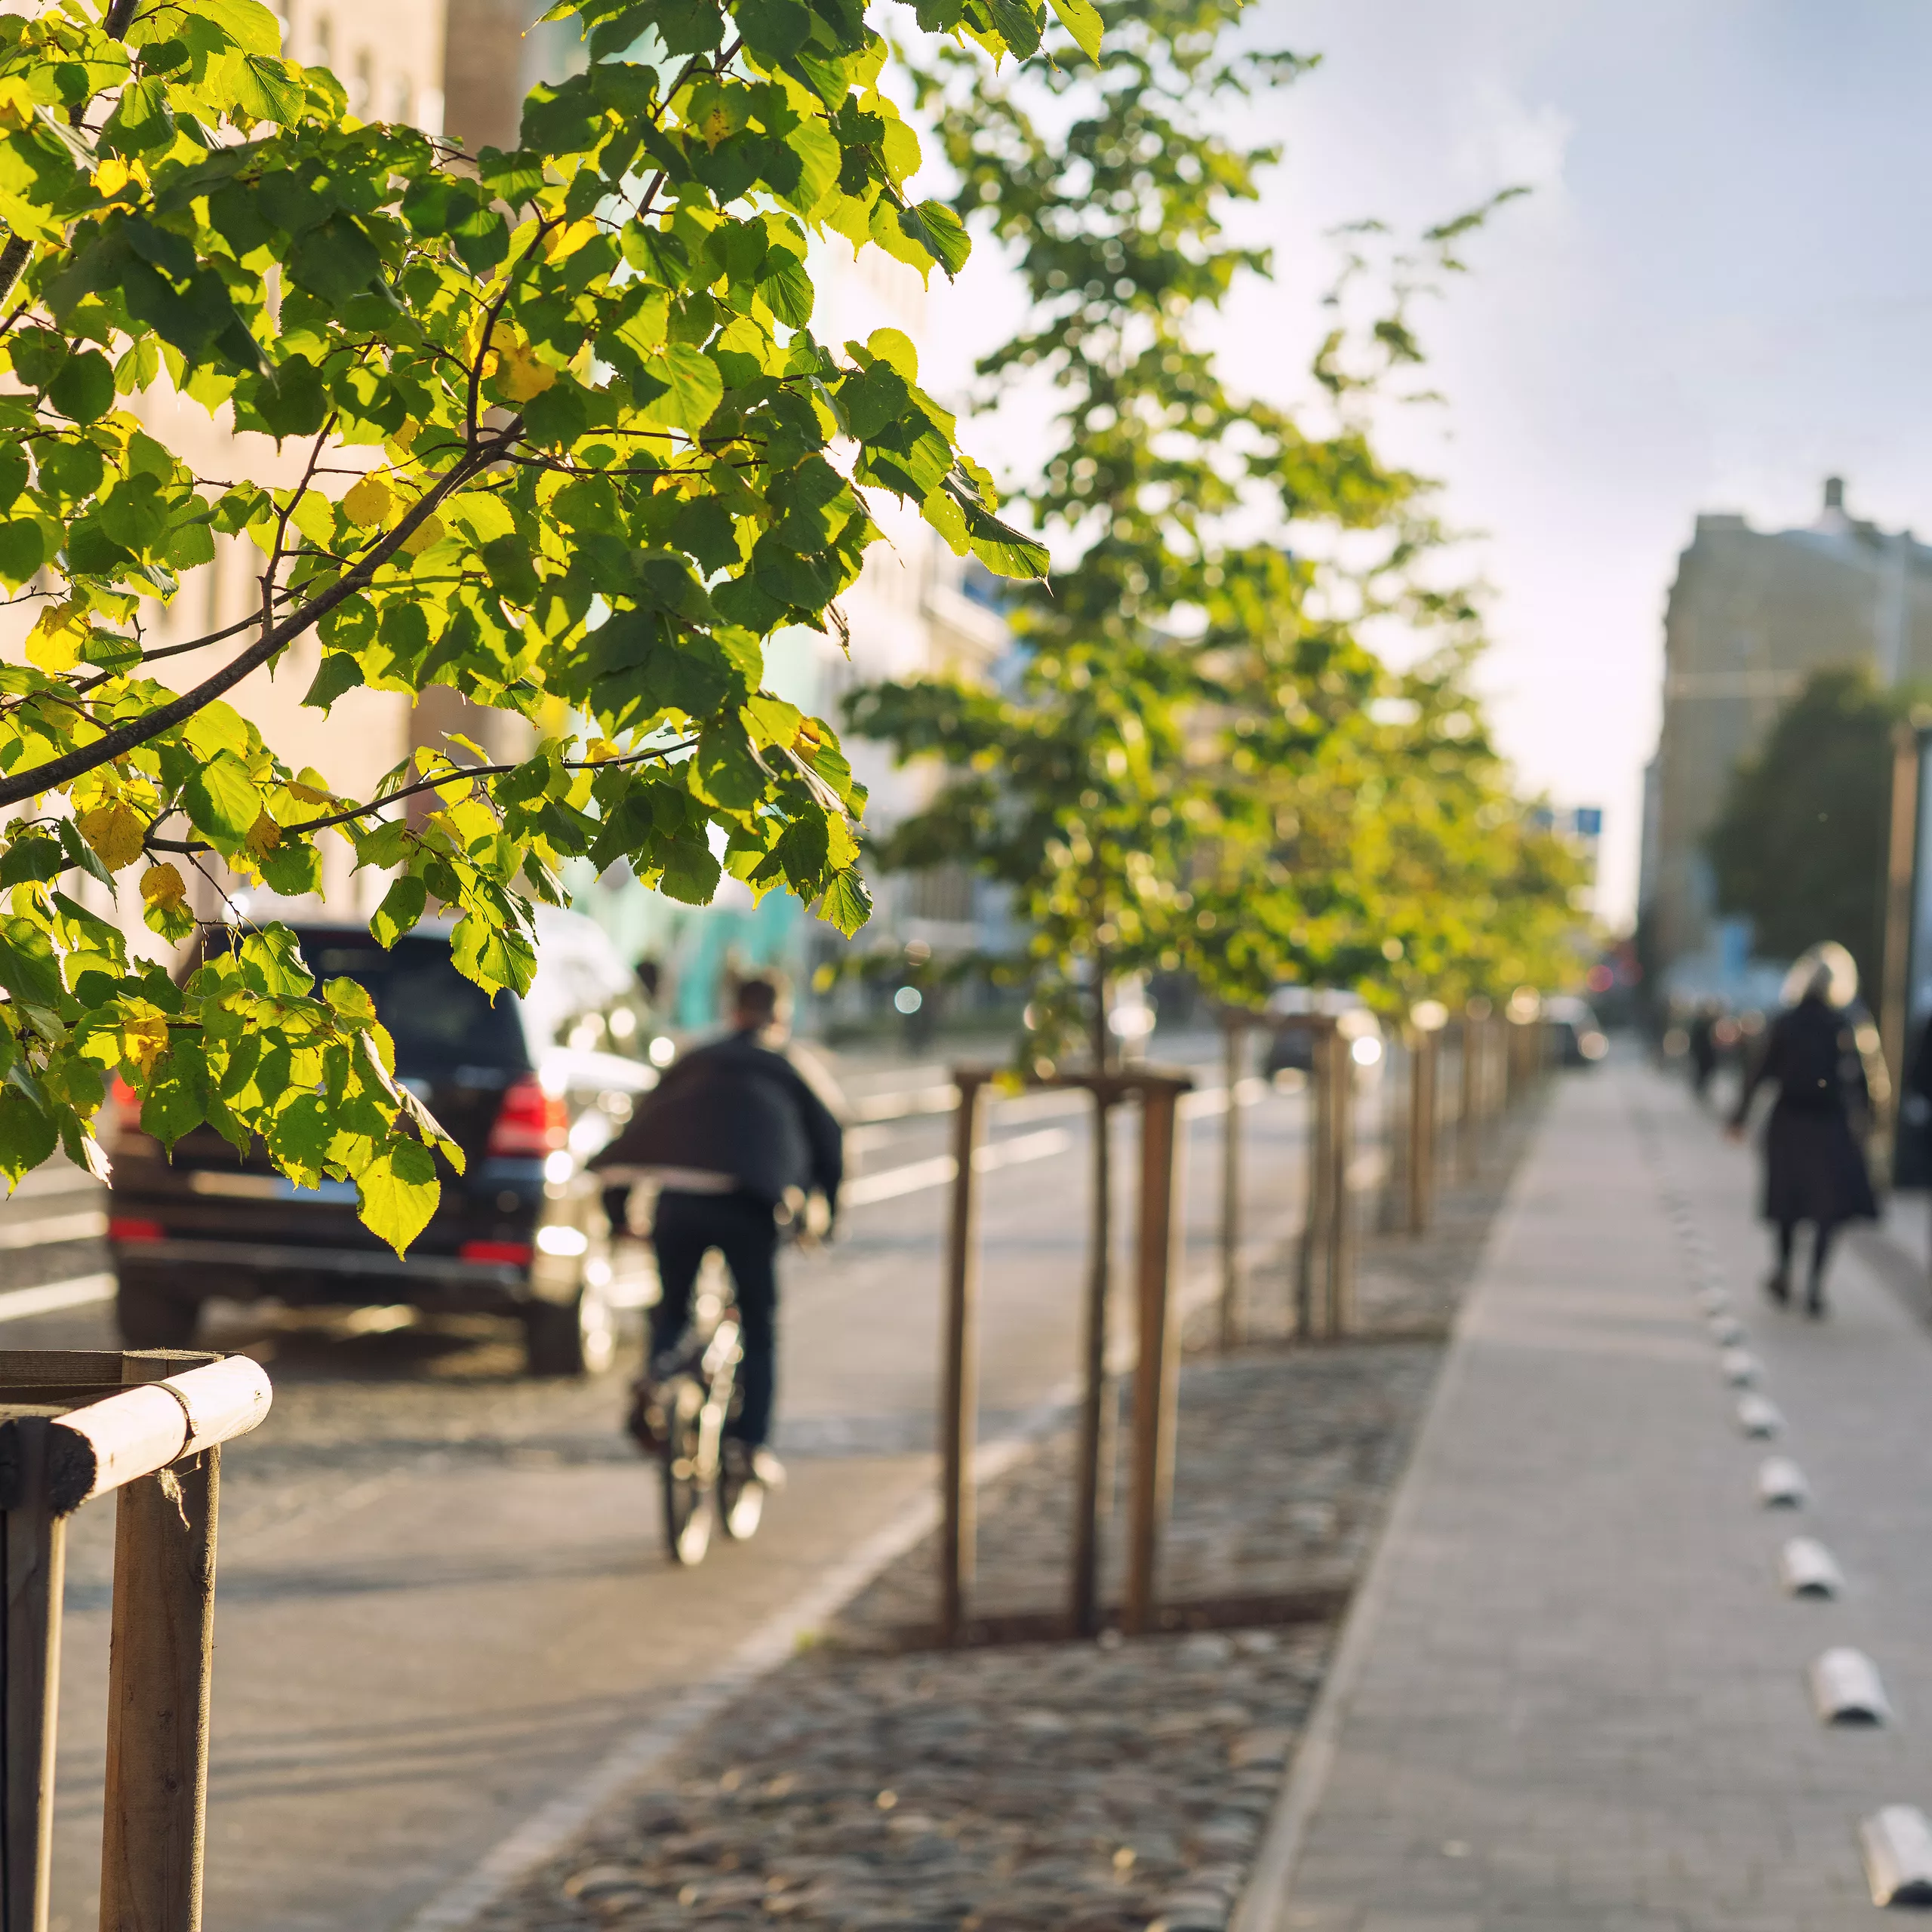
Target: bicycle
{"points": [[681, 1417]]}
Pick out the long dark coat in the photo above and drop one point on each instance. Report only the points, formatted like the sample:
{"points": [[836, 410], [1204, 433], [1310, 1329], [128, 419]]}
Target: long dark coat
{"points": [[1814, 1167]]}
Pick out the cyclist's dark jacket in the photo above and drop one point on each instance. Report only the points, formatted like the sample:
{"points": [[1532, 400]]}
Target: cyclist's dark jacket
{"points": [[740, 1109]]}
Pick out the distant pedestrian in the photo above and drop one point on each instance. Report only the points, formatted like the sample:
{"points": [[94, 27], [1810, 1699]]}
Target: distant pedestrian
{"points": [[1703, 1048], [1815, 1165]]}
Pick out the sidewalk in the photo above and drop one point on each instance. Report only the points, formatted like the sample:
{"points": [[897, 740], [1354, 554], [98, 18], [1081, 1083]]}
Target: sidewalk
{"points": [[1574, 1694]]}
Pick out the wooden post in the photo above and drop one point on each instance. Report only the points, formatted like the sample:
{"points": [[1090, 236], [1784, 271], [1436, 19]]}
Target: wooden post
{"points": [[1233, 1030], [1093, 1475], [1311, 1283], [1901, 863], [35, 1554], [960, 1402], [160, 1669], [1424, 1043], [1342, 1230], [1157, 1364], [1397, 1131]]}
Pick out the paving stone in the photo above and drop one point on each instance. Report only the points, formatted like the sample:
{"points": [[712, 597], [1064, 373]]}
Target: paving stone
{"points": [[1583, 1668]]}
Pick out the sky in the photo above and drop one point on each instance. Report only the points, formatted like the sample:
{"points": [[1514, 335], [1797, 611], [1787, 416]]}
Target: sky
{"points": [[1717, 294]]}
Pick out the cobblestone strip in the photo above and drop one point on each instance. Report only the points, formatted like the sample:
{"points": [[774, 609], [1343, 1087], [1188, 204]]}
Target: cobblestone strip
{"points": [[1045, 1787]]}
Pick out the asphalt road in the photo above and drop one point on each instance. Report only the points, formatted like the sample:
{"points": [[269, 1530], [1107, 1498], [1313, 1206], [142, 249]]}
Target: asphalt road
{"points": [[443, 1597]]}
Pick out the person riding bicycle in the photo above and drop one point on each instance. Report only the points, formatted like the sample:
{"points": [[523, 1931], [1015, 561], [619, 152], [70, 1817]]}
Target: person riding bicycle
{"points": [[737, 1138]]}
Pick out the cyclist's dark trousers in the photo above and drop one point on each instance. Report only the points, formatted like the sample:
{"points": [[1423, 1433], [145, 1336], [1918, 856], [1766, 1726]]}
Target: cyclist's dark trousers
{"points": [[740, 1226]]}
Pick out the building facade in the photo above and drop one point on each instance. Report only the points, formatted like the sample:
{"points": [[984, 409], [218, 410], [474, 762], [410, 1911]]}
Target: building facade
{"points": [[1751, 615]]}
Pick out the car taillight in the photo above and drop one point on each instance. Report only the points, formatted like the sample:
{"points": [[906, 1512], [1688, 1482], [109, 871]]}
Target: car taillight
{"points": [[123, 1108], [516, 1253], [529, 1122], [122, 1227]]}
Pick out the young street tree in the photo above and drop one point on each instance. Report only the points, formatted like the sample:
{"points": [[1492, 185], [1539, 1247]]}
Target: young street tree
{"points": [[1799, 845], [567, 445], [1194, 768]]}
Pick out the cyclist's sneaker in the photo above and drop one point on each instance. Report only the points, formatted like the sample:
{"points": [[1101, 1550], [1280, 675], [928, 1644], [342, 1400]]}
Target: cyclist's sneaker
{"points": [[767, 1468]]}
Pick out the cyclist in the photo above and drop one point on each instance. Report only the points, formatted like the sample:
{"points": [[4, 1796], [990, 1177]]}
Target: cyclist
{"points": [[737, 1136]]}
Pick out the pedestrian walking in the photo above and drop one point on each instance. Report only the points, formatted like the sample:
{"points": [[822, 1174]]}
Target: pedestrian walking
{"points": [[738, 1139], [1815, 1055]]}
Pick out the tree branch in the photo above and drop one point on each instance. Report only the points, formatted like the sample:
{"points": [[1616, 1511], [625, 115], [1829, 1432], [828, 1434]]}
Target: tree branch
{"points": [[460, 774], [114, 744]]}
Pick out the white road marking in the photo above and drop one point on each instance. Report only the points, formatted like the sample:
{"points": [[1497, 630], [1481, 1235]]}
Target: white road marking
{"points": [[89, 1226], [917, 1176], [78, 1291]]}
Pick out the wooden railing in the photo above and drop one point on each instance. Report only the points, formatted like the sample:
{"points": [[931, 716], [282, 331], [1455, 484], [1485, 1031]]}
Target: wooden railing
{"points": [[75, 1424]]}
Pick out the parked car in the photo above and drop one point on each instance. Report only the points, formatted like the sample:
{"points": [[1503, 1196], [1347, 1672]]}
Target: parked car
{"points": [[1291, 1048], [529, 1087], [1577, 1039]]}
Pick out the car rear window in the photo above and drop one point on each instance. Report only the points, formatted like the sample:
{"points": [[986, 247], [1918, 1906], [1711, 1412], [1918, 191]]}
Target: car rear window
{"points": [[439, 1020]]}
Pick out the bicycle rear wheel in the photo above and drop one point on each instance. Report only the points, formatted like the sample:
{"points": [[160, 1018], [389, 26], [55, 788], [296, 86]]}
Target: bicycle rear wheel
{"points": [[690, 1493]]}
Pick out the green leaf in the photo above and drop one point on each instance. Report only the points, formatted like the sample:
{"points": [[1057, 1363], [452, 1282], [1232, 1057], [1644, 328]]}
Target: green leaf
{"points": [[268, 90], [846, 905], [691, 871], [83, 390], [398, 1193], [1082, 20], [401, 908], [175, 1100], [222, 800], [339, 672], [696, 387], [28, 1135], [336, 259], [494, 956], [28, 968], [940, 233], [215, 728], [775, 30], [787, 290], [36, 855], [142, 122], [248, 23], [300, 1137], [273, 960], [23, 549]]}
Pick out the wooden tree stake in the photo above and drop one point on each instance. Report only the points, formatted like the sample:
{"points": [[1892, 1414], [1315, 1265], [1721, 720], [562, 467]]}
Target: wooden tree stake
{"points": [[160, 1669], [35, 1542], [960, 1397], [1157, 1366]]}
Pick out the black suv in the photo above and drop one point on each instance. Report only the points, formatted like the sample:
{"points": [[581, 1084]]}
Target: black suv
{"points": [[530, 1088]]}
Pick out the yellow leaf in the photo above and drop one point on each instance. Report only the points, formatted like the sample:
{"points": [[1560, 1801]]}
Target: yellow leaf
{"points": [[425, 536], [567, 240], [111, 177], [16, 104], [520, 376], [598, 749], [308, 794], [115, 831], [369, 503], [144, 1038], [54, 643], [264, 835], [163, 887]]}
